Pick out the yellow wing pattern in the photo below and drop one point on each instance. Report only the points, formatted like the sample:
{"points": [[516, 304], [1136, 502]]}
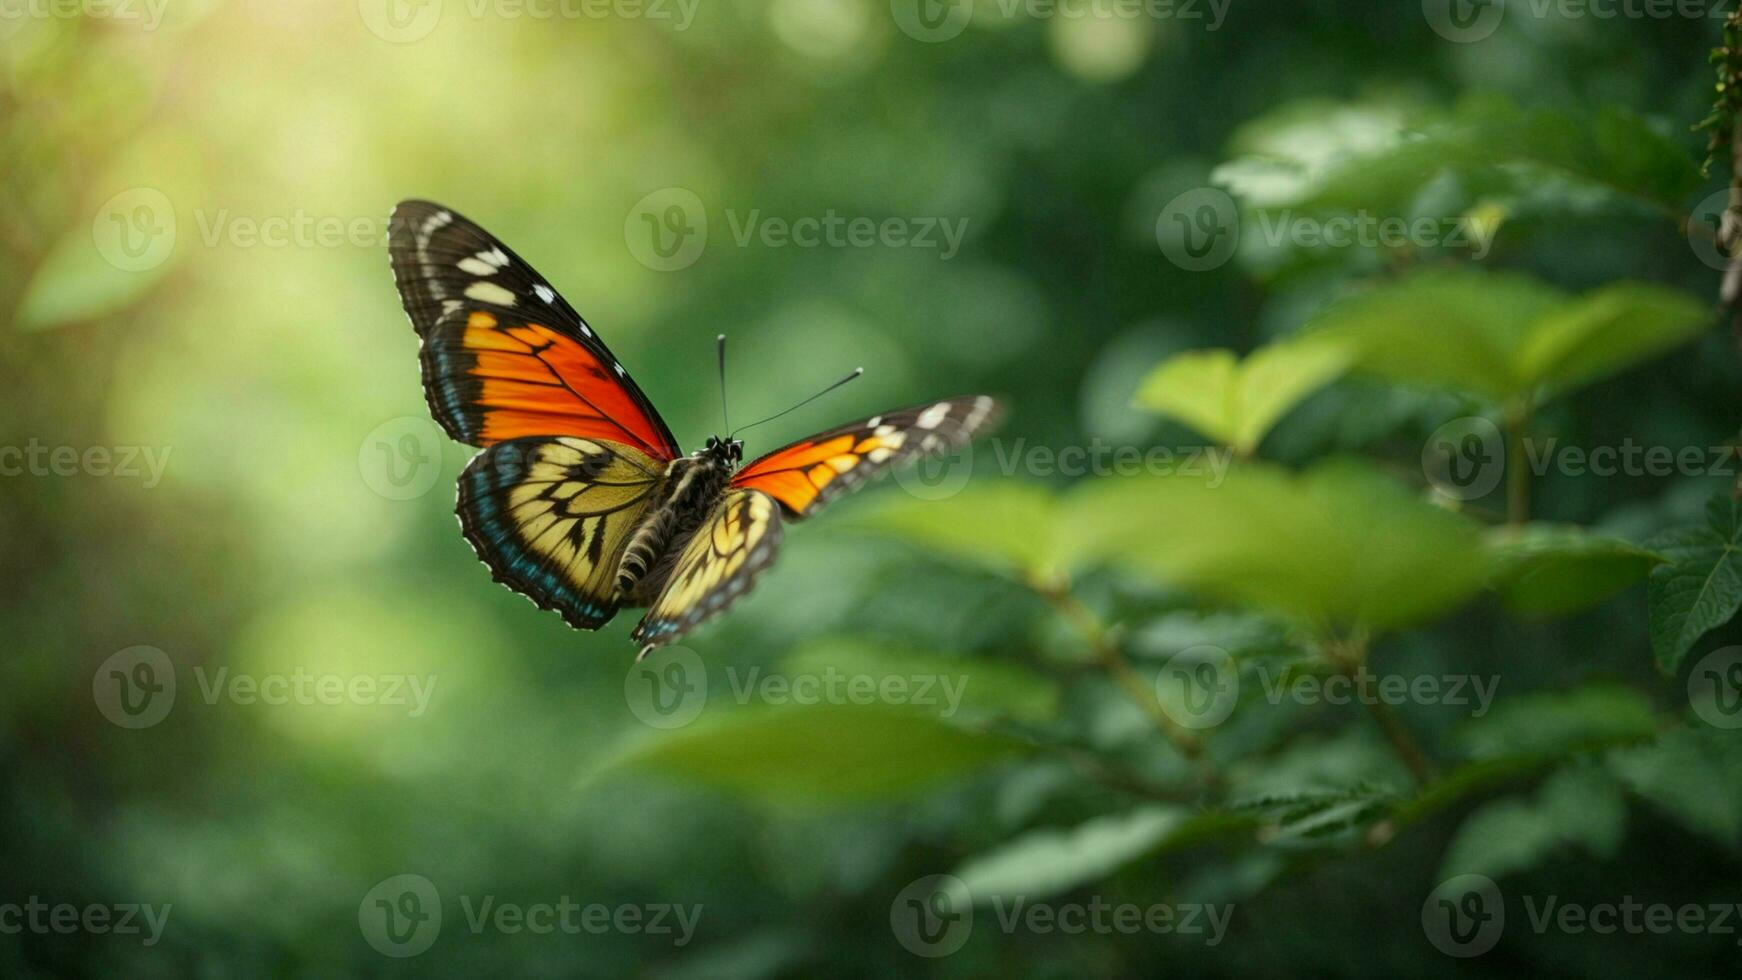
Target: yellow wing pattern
{"points": [[551, 517], [718, 564]]}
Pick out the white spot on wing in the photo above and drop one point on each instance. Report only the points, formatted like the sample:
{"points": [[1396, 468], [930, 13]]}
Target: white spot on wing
{"points": [[476, 267], [489, 292], [545, 293], [934, 416]]}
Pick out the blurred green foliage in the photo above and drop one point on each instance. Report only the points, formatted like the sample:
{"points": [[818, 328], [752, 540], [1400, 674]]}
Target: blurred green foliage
{"points": [[1220, 496]]}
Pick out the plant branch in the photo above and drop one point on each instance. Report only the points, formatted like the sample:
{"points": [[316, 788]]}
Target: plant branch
{"points": [[1107, 653], [1350, 655], [1518, 422]]}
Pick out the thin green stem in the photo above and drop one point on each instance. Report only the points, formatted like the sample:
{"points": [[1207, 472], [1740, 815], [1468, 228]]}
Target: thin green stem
{"points": [[1350, 655], [1108, 655], [1518, 422]]}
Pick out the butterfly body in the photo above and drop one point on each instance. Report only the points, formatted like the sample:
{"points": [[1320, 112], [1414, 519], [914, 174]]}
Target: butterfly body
{"points": [[692, 487], [580, 498]]}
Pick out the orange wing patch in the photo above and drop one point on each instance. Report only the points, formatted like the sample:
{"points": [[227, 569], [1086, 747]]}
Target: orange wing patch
{"points": [[809, 473], [504, 356], [797, 475], [532, 380]]}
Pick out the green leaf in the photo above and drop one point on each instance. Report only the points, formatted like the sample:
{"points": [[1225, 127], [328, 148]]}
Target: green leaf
{"points": [[1317, 816], [1046, 862], [1319, 155], [1287, 156], [1699, 587], [1338, 546], [1506, 336], [957, 689], [821, 754], [1607, 331], [1576, 807], [1459, 328], [1237, 403], [75, 283], [1008, 526], [1689, 774], [1558, 721], [1553, 570]]}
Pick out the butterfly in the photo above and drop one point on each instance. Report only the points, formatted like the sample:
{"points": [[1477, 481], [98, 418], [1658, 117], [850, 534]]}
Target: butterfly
{"points": [[580, 498]]}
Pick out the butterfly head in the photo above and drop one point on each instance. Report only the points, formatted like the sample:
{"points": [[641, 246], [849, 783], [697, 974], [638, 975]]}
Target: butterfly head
{"points": [[727, 451]]}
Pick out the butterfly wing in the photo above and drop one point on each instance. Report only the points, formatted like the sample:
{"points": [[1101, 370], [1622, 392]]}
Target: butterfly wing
{"points": [[717, 565], [551, 518], [503, 355], [809, 473]]}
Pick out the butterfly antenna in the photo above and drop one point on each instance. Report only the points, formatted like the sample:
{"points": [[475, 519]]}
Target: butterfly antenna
{"points": [[724, 417], [853, 374]]}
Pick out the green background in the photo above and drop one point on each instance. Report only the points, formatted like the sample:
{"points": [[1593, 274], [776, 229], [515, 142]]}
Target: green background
{"points": [[270, 359]]}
